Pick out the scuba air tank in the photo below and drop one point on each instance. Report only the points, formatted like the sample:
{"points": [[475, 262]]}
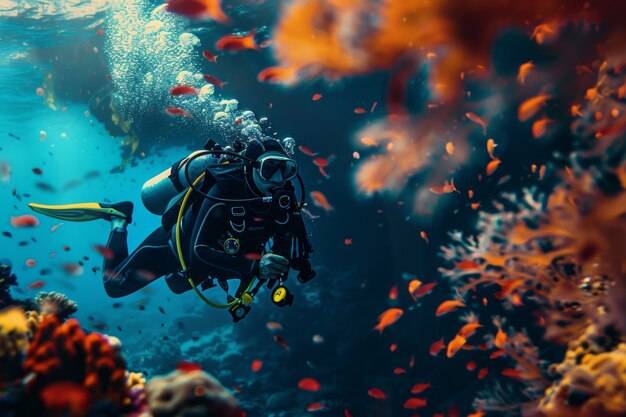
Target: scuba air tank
{"points": [[158, 191]]}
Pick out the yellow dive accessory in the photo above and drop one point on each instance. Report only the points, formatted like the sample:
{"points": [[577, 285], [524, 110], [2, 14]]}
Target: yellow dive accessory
{"points": [[281, 296], [79, 212], [245, 299]]}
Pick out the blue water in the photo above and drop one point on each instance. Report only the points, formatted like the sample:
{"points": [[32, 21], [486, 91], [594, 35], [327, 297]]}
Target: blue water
{"points": [[76, 155]]}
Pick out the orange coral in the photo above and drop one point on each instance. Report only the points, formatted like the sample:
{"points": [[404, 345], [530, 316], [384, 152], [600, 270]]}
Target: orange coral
{"points": [[63, 352], [338, 38]]}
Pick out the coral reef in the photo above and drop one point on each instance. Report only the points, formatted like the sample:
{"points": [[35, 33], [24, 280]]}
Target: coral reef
{"points": [[57, 304], [63, 352], [561, 252], [592, 378], [52, 368], [193, 393]]}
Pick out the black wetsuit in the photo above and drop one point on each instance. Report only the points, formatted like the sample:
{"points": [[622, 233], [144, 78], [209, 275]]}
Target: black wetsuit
{"points": [[257, 227]]}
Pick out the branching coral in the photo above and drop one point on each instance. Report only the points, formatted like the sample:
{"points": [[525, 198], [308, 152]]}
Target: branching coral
{"points": [[56, 303], [63, 352], [564, 251]]}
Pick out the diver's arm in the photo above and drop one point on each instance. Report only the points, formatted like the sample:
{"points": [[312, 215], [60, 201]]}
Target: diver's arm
{"points": [[292, 241], [211, 223]]}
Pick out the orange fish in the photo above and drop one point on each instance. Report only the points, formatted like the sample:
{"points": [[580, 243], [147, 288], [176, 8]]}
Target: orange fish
{"points": [[360, 110], [491, 145], [347, 241], [256, 365], [315, 407], [198, 9], [320, 200], [399, 371], [393, 293], [540, 127], [446, 188], [100, 32], [309, 384], [470, 366], [420, 387], [531, 107], [237, 43], [413, 287], [26, 220], [497, 354], [511, 373], [180, 90], [424, 236], [448, 306], [316, 97], [478, 120], [272, 325], [277, 75], [412, 362], [501, 339], [73, 269], [482, 373], [306, 150], [425, 289], [387, 318], [469, 329], [478, 413], [492, 166], [524, 69], [393, 347], [104, 251], [455, 345], [213, 80], [281, 342], [321, 162], [35, 285], [437, 347], [176, 111], [450, 148], [376, 393], [209, 56], [414, 403]]}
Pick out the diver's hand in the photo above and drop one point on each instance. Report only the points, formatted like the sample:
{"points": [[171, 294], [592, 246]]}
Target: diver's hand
{"points": [[272, 266]]}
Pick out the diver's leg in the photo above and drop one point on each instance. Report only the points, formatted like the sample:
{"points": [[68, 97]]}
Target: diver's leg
{"points": [[124, 274]]}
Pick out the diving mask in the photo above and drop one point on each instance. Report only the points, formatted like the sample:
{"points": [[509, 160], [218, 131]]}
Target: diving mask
{"points": [[270, 164]]}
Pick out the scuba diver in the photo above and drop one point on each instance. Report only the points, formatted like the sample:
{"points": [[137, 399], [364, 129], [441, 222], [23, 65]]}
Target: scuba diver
{"points": [[227, 213]]}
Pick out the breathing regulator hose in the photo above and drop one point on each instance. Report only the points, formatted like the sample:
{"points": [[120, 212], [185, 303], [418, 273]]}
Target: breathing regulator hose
{"points": [[185, 271]]}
